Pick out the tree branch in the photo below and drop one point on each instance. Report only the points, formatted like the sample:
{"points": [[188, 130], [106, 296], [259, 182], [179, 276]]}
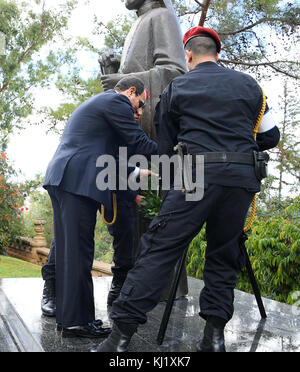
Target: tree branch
{"points": [[246, 28], [101, 24], [266, 64], [204, 12]]}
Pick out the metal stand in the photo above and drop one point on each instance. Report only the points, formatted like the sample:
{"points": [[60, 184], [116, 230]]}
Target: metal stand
{"points": [[170, 302]]}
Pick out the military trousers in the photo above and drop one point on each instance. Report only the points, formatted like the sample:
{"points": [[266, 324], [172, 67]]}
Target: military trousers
{"points": [[224, 209], [74, 227]]}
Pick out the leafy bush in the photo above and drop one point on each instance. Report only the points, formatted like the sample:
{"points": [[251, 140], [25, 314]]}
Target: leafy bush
{"points": [[274, 250], [12, 204], [12, 198], [103, 242], [273, 246], [150, 204]]}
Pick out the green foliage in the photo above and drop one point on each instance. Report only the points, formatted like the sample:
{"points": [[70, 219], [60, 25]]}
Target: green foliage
{"points": [[116, 31], [286, 154], [150, 204], [257, 35], [27, 27], [196, 256], [103, 242], [12, 200], [76, 90]]}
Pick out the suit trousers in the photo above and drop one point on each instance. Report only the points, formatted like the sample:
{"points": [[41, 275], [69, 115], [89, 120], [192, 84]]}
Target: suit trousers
{"points": [[74, 227], [123, 232], [224, 210]]}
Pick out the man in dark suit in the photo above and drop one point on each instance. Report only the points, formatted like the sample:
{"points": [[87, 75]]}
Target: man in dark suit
{"points": [[98, 127], [123, 234]]}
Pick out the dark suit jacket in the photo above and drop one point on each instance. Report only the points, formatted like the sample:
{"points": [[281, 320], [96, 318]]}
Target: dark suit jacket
{"points": [[98, 127]]}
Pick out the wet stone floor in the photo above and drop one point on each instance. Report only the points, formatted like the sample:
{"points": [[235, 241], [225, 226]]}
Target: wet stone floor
{"points": [[24, 328]]}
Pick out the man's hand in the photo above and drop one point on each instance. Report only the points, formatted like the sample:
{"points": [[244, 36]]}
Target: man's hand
{"points": [[110, 81], [138, 200], [146, 172]]}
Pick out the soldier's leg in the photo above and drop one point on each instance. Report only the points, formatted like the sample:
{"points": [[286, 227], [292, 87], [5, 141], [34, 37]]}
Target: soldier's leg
{"points": [[223, 254], [161, 246], [223, 262]]}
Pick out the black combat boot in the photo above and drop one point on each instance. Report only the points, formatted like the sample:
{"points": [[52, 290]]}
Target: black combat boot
{"points": [[118, 341], [115, 289], [49, 298], [213, 340]]}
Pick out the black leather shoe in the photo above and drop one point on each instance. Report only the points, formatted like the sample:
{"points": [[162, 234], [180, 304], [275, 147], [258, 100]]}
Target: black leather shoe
{"points": [[48, 304], [115, 289], [98, 323], [88, 331], [119, 339], [213, 340]]}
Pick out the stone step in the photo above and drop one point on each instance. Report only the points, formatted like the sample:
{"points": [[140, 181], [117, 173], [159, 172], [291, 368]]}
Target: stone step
{"points": [[14, 334]]}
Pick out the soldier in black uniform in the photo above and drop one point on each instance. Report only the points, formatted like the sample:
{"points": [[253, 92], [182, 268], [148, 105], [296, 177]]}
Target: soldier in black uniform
{"points": [[213, 110]]}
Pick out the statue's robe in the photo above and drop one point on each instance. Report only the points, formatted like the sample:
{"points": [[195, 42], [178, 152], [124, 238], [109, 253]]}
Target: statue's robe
{"points": [[154, 52]]}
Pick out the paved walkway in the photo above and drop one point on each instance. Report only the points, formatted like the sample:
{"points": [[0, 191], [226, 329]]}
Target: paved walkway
{"points": [[23, 328]]}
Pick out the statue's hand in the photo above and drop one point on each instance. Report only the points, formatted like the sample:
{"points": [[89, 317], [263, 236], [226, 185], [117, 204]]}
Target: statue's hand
{"points": [[110, 81]]}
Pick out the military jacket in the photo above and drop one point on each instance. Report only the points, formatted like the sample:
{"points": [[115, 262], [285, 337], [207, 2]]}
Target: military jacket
{"points": [[213, 109]]}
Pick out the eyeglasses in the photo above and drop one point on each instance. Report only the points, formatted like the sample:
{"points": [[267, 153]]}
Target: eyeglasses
{"points": [[141, 104]]}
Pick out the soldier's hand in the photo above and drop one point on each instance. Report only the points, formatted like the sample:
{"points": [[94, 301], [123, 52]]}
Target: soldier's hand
{"points": [[110, 81]]}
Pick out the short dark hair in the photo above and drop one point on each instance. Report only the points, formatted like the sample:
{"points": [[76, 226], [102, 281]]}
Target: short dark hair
{"points": [[131, 81], [202, 45]]}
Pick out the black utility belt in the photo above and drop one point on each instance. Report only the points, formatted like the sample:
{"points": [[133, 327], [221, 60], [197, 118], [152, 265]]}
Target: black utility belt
{"points": [[226, 157], [257, 159]]}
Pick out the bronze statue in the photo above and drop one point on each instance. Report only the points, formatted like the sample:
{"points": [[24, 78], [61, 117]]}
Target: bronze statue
{"points": [[153, 52]]}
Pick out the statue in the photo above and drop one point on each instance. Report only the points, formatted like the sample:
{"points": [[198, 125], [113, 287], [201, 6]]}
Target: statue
{"points": [[153, 51]]}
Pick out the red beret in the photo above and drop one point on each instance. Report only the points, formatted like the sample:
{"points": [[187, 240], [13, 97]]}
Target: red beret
{"points": [[202, 31], [147, 94]]}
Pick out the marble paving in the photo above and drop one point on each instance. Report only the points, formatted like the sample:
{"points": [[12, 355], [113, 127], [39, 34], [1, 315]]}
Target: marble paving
{"points": [[24, 329]]}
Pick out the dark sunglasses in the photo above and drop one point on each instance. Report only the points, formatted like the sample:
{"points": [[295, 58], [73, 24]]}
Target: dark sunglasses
{"points": [[141, 104]]}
